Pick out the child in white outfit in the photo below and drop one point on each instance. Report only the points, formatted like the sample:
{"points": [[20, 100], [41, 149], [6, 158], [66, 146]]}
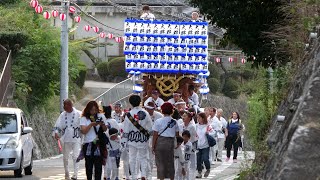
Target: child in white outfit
{"points": [[179, 162], [187, 146], [113, 160], [124, 155]]}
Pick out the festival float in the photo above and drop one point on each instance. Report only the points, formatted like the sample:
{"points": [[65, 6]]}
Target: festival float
{"points": [[167, 56]]}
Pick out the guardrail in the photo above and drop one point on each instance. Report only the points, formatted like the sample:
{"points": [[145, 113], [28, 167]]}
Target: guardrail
{"points": [[117, 93], [5, 80]]}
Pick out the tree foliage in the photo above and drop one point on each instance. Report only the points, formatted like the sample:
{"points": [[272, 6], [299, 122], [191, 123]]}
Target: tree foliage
{"points": [[246, 23], [231, 88], [36, 66], [6, 2], [214, 85], [103, 70], [117, 67]]}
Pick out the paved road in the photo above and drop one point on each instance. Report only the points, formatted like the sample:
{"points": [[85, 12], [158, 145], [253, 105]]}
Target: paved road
{"points": [[52, 169], [94, 89], [97, 84]]}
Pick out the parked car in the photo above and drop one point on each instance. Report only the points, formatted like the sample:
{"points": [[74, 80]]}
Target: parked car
{"points": [[16, 145]]}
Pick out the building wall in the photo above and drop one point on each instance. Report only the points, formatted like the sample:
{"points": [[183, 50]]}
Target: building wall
{"points": [[115, 20]]}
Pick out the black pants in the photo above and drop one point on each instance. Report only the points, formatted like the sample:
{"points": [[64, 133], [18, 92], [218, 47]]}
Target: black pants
{"points": [[232, 140], [93, 161]]}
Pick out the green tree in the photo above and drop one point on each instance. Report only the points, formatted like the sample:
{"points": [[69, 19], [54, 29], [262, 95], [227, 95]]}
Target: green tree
{"points": [[5, 2], [214, 85], [103, 70], [36, 66], [231, 88], [116, 67], [246, 23]]}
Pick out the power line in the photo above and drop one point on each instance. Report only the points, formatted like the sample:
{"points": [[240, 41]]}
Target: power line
{"points": [[90, 16]]}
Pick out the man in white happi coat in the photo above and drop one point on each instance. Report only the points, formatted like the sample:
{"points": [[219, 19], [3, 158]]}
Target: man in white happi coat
{"points": [[155, 99], [193, 99], [154, 116], [117, 114], [135, 138], [146, 14], [67, 129], [176, 97]]}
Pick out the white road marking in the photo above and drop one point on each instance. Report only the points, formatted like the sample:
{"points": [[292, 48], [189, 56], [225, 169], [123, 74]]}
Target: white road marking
{"points": [[213, 172]]}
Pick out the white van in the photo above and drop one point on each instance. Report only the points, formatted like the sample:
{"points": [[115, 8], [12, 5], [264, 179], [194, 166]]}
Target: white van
{"points": [[16, 143]]}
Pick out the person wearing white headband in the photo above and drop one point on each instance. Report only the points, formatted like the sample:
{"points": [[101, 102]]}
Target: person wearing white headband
{"points": [[117, 114], [180, 105]]}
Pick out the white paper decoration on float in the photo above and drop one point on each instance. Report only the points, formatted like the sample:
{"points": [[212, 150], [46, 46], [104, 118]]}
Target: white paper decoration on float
{"points": [[166, 47]]}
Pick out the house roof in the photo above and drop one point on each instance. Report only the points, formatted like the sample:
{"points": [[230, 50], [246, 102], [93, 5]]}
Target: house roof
{"points": [[132, 2]]}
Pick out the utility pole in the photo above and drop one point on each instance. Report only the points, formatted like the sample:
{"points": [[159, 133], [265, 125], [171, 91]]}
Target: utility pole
{"points": [[64, 75]]}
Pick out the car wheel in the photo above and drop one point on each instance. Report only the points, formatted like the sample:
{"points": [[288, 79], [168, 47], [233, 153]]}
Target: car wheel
{"points": [[28, 169], [18, 172]]}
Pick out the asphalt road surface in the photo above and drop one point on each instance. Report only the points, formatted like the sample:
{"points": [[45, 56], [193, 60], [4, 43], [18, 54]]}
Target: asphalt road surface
{"points": [[52, 169]]}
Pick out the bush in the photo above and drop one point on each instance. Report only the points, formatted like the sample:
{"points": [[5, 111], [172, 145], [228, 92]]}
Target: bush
{"points": [[5, 2], [116, 67], [113, 58], [103, 70], [214, 71], [82, 68], [213, 84], [231, 88], [247, 74]]}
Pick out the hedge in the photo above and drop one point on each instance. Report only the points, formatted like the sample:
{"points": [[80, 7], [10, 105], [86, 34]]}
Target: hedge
{"points": [[103, 70], [214, 71], [231, 88], [213, 84], [82, 75], [116, 67]]}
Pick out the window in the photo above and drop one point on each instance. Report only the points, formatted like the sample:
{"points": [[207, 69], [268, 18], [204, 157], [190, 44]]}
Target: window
{"points": [[24, 120], [8, 123]]}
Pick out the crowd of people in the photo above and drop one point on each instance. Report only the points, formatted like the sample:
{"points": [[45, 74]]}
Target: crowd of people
{"points": [[167, 135]]}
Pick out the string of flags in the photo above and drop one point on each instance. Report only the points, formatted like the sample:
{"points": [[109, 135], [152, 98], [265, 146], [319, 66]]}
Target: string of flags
{"points": [[62, 16]]}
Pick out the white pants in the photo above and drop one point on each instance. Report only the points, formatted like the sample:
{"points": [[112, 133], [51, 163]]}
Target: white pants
{"points": [[138, 155], [110, 169], [213, 151], [178, 171], [69, 147], [219, 147], [125, 160], [151, 160], [193, 166]]}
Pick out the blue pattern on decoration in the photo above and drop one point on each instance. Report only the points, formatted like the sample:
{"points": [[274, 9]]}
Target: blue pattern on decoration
{"points": [[167, 47]]}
